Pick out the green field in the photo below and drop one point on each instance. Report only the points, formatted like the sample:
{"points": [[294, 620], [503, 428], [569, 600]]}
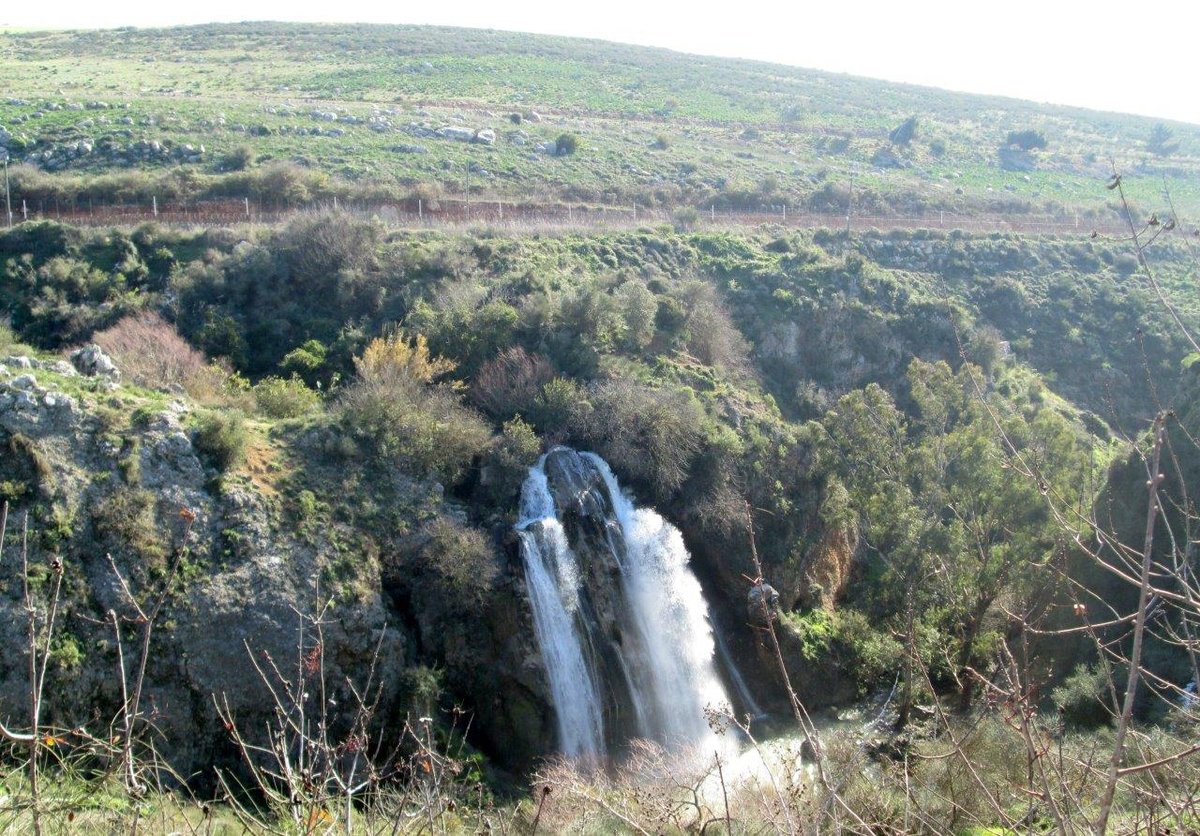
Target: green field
{"points": [[656, 127]]}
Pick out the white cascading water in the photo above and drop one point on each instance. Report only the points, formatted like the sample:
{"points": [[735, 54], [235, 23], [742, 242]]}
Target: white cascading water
{"points": [[664, 647], [739, 682], [552, 576], [672, 618]]}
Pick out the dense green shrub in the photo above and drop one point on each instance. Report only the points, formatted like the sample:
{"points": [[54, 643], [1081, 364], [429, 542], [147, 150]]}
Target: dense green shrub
{"points": [[905, 132], [65, 299], [555, 405], [814, 631], [685, 218], [308, 282], [466, 331], [639, 306], [1082, 698], [239, 158], [458, 559], [566, 144], [221, 437], [280, 398], [646, 434], [873, 652], [1027, 140], [407, 418], [507, 463], [413, 425], [1161, 141], [306, 361]]}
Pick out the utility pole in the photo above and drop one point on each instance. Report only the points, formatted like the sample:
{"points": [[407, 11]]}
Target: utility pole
{"points": [[7, 194]]}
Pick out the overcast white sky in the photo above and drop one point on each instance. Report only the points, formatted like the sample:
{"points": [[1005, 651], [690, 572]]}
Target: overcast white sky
{"points": [[1139, 59]]}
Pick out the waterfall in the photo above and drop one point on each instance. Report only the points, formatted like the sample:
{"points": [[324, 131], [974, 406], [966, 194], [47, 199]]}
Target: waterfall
{"points": [[620, 618], [552, 577], [735, 675]]}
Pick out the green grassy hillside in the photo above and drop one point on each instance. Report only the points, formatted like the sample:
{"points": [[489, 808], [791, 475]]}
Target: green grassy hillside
{"points": [[363, 103]]}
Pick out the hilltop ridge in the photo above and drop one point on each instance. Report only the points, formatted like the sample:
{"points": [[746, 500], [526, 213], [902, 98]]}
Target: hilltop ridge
{"points": [[396, 111]]}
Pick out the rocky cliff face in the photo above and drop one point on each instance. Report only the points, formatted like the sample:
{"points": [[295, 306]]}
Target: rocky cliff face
{"points": [[101, 469]]}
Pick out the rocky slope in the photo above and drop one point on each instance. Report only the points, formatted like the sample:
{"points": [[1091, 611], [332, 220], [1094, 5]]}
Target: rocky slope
{"points": [[99, 468]]}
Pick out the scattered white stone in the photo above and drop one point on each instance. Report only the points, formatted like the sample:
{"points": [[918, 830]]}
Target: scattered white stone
{"points": [[93, 362], [457, 133]]}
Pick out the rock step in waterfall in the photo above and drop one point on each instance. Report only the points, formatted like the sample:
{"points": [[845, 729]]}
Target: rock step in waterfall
{"points": [[621, 620]]}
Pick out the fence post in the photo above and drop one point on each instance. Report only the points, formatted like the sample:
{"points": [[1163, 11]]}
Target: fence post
{"points": [[500, 208], [246, 200], [24, 210], [420, 210], [154, 205]]}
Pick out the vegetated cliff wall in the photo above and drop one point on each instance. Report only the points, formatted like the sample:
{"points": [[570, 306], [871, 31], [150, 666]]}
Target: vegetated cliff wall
{"points": [[685, 360], [101, 469]]}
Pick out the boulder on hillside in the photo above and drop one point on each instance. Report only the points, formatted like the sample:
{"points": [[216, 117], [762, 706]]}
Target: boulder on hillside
{"points": [[93, 362], [457, 133]]}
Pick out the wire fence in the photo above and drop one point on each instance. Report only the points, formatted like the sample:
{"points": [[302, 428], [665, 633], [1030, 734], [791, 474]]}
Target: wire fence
{"points": [[515, 215]]}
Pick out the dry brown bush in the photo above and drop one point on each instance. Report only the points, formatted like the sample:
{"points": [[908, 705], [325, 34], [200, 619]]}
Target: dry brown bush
{"points": [[149, 351], [510, 383]]}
